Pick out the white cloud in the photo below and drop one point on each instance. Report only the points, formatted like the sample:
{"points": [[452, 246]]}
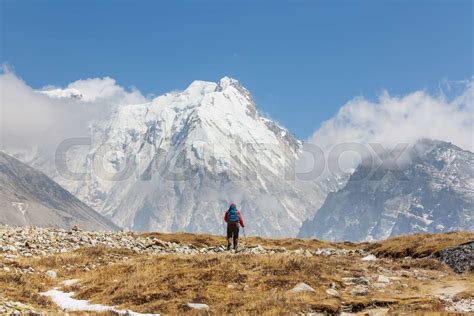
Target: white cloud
{"points": [[106, 89], [31, 119], [392, 119]]}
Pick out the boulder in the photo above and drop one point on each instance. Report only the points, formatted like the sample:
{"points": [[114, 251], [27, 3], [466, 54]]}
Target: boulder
{"points": [[200, 306], [301, 287], [360, 290], [333, 292], [383, 279], [52, 274]]}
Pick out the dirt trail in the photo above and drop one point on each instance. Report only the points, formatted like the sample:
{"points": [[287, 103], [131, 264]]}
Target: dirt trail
{"points": [[451, 288]]}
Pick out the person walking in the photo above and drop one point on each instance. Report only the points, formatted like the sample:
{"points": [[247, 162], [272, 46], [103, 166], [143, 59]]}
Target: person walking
{"points": [[233, 218]]}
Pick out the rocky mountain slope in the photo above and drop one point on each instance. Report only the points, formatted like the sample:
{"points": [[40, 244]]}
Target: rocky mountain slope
{"points": [[175, 164], [436, 195], [28, 197]]}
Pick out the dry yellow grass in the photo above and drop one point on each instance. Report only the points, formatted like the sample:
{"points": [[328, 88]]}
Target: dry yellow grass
{"points": [[19, 285], [243, 284], [214, 240], [249, 284], [418, 245]]}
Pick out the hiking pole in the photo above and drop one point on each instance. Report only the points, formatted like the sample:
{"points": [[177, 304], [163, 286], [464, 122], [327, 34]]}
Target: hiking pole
{"points": [[245, 235]]}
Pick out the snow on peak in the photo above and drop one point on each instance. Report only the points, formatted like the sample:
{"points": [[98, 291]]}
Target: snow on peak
{"points": [[199, 87], [226, 82]]}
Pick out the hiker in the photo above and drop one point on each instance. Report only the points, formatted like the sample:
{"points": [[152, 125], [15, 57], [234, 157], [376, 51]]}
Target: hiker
{"points": [[233, 218]]}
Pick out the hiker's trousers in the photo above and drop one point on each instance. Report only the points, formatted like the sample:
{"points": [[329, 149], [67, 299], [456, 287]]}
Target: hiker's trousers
{"points": [[233, 232]]}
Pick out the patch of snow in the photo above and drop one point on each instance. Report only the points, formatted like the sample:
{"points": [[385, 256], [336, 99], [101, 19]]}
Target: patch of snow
{"points": [[426, 219], [66, 302], [22, 207]]}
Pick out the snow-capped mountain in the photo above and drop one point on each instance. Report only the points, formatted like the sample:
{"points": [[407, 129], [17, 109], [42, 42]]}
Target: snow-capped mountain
{"points": [[175, 163], [437, 195], [28, 197]]}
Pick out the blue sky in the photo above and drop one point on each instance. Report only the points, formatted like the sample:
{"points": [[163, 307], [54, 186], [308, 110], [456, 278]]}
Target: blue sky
{"points": [[302, 60]]}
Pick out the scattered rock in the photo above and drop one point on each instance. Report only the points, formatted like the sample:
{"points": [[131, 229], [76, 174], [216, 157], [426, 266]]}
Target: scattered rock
{"points": [[198, 306], [459, 258], [333, 292], [326, 252], [462, 306], [37, 241], [356, 280], [302, 287], [70, 282], [369, 258], [454, 304], [52, 274], [383, 279], [8, 307], [379, 285], [360, 290]]}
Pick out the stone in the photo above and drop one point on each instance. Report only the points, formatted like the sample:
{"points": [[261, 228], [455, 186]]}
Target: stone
{"points": [[52, 274], [360, 290], [302, 287], [383, 279], [369, 258], [199, 306], [333, 292], [356, 280]]}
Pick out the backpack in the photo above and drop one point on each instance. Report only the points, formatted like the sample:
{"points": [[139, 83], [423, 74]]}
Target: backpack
{"points": [[233, 215]]}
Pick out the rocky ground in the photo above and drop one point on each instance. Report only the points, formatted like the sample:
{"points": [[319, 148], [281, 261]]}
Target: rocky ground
{"points": [[460, 258], [345, 278], [34, 241]]}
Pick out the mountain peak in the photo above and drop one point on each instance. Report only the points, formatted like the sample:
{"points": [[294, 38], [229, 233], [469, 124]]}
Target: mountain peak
{"points": [[200, 87], [226, 82], [434, 194], [203, 87]]}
